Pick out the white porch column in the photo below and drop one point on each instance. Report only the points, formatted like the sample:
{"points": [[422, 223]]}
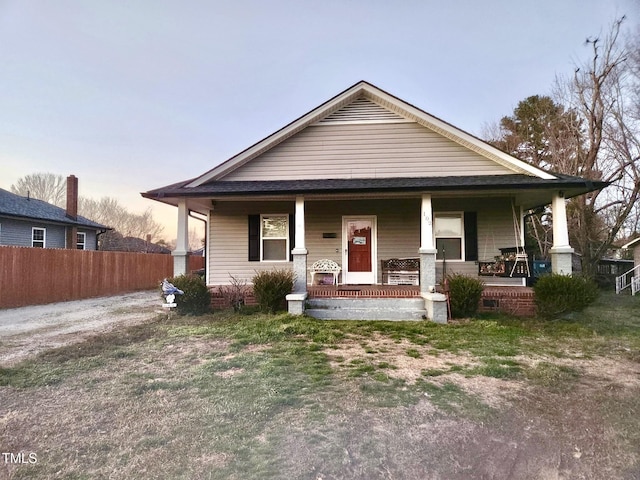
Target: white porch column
{"points": [[181, 252], [435, 303], [297, 299], [300, 251], [427, 247], [561, 252]]}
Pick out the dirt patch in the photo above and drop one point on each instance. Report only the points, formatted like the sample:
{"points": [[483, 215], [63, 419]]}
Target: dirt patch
{"points": [[27, 331], [410, 362]]}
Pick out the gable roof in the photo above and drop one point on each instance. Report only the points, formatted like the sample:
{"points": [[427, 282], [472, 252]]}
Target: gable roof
{"points": [[387, 107], [17, 206]]}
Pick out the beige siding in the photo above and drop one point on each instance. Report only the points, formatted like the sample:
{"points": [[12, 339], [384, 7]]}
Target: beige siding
{"points": [[636, 255], [365, 151], [398, 223]]}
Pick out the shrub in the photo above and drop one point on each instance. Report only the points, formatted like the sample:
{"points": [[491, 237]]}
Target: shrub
{"points": [[464, 295], [196, 299], [235, 292], [558, 294], [270, 288]]}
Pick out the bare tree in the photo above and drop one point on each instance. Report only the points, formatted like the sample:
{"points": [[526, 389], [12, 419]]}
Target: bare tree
{"points": [[110, 212], [44, 186], [604, 94], [590, 128]]}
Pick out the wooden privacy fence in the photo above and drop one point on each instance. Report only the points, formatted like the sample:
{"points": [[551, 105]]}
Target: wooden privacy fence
{"points": [[33, 276]]}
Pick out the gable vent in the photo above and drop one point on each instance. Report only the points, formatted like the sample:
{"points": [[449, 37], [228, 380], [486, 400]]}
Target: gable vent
{"points": [[362, 110]]}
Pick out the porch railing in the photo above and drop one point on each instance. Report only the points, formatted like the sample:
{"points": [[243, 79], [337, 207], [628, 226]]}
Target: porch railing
{"points": [[629, 279]]}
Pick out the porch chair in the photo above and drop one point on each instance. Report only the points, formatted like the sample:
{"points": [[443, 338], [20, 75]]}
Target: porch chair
{"points": [[325, 266]]}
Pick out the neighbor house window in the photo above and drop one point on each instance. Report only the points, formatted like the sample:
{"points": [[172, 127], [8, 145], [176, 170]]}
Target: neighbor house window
{"points": [[81, 241], [38, 237], [274, 238], [449, 232]]}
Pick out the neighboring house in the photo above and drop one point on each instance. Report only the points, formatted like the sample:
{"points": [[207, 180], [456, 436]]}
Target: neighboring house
{"points": [[29, 222], [363, 178], [634, 245]]}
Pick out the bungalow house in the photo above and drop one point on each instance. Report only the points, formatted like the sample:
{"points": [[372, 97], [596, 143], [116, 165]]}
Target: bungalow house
{"points": [[380, 189], [28, 222]]}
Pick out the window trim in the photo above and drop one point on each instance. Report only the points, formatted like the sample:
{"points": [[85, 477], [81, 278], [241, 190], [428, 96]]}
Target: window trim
{"points": [[460, 215], [286, 238], [84, 240], [44, 237]]}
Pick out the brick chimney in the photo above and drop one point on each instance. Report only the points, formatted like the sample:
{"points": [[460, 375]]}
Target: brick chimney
{"points": [[72, 197], [72, 211]]}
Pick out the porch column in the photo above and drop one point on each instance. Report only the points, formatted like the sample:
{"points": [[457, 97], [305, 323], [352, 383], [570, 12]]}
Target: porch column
{"points": [[435, 303], [181, 252], [427, 248], [295, 300], [561, 252]]}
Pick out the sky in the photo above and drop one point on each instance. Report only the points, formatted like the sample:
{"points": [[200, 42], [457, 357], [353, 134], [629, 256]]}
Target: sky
{"points": [[134, 95]]}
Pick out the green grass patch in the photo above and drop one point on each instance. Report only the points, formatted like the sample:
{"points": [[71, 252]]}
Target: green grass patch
{"points": [[552, 376], [413, 353]]}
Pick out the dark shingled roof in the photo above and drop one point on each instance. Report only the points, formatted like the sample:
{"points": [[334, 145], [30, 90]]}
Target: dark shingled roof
{"points": [[449, 183], [12, 205]]}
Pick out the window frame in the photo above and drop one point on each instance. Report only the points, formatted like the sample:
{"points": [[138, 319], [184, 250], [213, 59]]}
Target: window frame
{"points": [[285, 238], [44, 237], [460, 215], [81, 245]]}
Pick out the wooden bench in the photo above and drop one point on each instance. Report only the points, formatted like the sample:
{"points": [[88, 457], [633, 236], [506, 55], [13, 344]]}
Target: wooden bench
{"points": [[401, 271], [327, 267]]}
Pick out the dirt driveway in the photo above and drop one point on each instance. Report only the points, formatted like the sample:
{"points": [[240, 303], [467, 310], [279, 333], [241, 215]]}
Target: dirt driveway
{"points": [[26, 331]]}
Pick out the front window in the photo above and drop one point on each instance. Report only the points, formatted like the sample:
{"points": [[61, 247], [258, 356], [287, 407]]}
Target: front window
{"points": [[274, 238], [449, 233], [38, 237], [81, 241]]}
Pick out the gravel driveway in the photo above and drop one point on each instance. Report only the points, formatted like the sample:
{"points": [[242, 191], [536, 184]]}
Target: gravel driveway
{"points": [[26, 331]]}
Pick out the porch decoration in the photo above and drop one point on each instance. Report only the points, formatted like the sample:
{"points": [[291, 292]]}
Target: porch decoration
{"points": [[327, 267], [401, 271], [169, 290]]}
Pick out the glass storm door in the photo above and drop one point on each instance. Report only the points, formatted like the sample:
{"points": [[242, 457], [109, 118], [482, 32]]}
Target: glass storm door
{"points": [[359, 262]]}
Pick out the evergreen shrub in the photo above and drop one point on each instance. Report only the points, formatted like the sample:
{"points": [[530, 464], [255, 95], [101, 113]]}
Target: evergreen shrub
{"points": [[557, 294], [270, 287], [196, 299], [464, 294]]}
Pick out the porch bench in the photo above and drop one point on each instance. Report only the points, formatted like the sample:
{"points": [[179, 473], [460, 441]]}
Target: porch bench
{"points": [[401, 271], [325, 266]]}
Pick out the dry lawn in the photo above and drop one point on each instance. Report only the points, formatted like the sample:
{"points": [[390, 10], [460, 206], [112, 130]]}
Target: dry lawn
{"points": [[255, 397]]}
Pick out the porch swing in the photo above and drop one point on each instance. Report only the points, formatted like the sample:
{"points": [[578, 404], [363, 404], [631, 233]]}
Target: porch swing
{"points": [[521, 263], [513, 261]]}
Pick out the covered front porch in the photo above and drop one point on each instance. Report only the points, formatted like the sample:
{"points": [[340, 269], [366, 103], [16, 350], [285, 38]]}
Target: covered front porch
{"points": [[442, 233]]}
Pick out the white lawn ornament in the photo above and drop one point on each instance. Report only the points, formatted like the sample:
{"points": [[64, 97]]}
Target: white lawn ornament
{"points": [[170, 291]]}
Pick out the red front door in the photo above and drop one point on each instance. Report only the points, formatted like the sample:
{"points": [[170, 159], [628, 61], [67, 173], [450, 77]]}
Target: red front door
{"points": [[360, 238]]}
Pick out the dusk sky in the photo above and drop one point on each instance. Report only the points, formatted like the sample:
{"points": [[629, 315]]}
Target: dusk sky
{"points": [[134, 95]]}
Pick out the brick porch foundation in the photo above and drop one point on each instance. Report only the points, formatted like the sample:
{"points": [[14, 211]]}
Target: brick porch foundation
{"points": [[518, 301]]}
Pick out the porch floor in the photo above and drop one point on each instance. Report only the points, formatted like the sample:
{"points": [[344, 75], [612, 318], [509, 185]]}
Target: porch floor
{"points": [[363, 291], [390, 291]]}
